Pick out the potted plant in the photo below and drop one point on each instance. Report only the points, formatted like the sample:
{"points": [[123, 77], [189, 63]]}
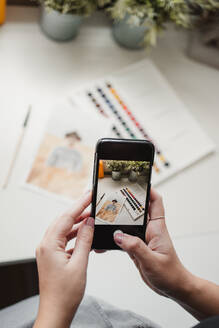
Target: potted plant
{"points": [[133, 169], [116, 168], [144, 168], [61, 19], [203, 43], [136, 168], [137, 23]]}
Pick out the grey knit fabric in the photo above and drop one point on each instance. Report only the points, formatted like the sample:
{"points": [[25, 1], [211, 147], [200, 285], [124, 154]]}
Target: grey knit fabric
{"points": [[20, 315], [92, 313]]}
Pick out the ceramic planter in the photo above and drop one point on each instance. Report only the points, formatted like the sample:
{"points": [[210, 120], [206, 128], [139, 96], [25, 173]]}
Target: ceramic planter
{"points": [[133, 176], [127, 35], [116, 175], [59, 27]]}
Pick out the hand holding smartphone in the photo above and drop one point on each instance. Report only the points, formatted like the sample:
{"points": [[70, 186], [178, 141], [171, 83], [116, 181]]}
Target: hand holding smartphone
{"points": [[121, 189]]}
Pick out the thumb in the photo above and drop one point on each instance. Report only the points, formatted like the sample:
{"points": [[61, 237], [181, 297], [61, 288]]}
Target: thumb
{"points": [[84, 242], [134, 246]]}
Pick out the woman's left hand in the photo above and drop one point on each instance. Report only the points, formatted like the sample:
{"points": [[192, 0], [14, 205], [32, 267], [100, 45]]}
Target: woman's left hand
{"points": [[62, 273]]}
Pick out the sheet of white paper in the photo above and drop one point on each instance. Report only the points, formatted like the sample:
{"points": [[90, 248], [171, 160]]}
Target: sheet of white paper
{"points": [[155, 106]]}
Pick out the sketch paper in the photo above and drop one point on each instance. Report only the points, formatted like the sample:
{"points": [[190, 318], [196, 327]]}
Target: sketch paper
{"points": [[64, 160], [111, 208]]}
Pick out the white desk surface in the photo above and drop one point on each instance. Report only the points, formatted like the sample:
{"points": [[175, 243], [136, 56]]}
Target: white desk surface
{"points": [[36, 70]]}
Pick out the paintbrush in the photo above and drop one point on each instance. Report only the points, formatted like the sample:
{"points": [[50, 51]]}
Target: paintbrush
{"points": [[17, 148]]}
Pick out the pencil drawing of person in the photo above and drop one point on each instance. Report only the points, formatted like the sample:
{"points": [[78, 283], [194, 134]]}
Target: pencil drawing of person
{"points": [[112, 206], [66, 156]]}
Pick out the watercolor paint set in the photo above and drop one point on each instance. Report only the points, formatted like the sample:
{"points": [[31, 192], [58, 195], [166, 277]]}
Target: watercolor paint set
{"points": [[133, 203], [141, 104]]}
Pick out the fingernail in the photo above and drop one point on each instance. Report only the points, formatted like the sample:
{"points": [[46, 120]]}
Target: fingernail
{"points": [[90, 222], [118, 236], [87, 191]]}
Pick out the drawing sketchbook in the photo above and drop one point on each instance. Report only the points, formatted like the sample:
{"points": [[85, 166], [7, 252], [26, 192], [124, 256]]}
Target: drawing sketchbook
{"points": [[141, 104]]}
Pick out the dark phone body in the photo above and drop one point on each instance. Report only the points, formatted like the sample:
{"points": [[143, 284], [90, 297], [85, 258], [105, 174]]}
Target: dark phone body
{"points": [[119, 149]]}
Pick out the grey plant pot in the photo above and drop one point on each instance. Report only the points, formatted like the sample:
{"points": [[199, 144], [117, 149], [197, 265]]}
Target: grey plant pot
{"points": [[59, 27], [127, 35], [133, 176], [116, 175]]}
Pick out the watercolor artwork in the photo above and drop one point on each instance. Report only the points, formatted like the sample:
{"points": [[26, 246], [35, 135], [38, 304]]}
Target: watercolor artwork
{"points": [[64, 160]]}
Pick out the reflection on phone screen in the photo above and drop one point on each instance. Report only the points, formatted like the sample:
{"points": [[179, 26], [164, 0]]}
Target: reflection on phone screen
{"points": [[121, 192]]}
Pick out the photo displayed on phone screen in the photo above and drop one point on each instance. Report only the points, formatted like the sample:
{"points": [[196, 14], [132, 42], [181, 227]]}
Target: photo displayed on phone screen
{"points": [[121, 192]]}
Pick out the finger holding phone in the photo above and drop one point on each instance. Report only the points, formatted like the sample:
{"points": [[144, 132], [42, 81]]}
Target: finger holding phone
{"points": [[148, 242]]}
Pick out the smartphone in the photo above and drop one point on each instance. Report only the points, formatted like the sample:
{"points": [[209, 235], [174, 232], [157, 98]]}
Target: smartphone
{"points": [[121, 189]]}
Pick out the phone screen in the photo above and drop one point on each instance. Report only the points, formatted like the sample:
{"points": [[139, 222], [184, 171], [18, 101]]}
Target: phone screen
{"points": [[121, 188], [121, 192]]}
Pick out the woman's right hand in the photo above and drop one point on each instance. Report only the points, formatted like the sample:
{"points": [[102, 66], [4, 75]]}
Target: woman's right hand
{"points": [[157, 262], [161, 269]]}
